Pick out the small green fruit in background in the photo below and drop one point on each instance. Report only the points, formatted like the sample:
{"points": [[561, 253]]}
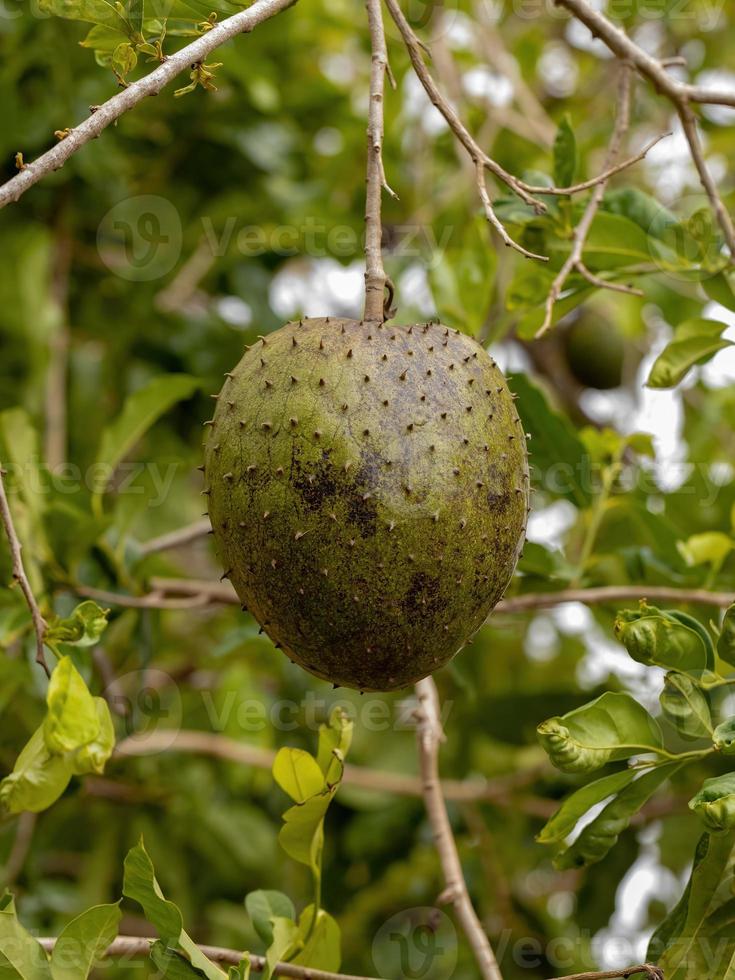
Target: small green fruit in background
{"points": [[368, 491], [595, 352]]}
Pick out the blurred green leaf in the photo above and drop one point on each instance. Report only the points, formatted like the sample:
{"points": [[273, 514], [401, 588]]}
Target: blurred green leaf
{"points": [[565, 154], [38, 778], [726, 639], [84, 941], [18, 946], [83, 628], [141, 410], [264, 905], [72, 719], [695, 342], [322, 941]]}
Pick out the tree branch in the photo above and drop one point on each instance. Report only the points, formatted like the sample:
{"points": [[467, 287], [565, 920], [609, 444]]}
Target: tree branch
{"points": [[574, 261], [175, 539], [648, 969], [19, 574], [152, 84], [480, 159], [182, 593], [429, 735], [500, 790], [136, 947], [679, 93], [377, 306]]}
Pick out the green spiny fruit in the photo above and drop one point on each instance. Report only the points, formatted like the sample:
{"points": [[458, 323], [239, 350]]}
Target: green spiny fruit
{"points": [[368, 491]]}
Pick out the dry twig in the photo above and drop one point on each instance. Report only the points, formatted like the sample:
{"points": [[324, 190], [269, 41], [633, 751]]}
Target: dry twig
{"points": [[377, 305], [680, 94], [19, 574], [574, 261], [137, 947], [429, 735]]}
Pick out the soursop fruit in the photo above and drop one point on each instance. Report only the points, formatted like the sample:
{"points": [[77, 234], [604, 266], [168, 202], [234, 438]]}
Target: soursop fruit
{"points": [[368, 492]]}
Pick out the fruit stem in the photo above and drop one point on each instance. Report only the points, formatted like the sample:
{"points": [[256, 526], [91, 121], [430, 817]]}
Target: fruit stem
{"points": [[377, 307]]}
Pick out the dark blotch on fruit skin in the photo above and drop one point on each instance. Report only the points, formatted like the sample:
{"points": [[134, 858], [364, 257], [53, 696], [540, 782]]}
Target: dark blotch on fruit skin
{"points": [[370, 540]]}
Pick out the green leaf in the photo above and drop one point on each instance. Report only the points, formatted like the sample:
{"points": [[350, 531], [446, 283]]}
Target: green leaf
{"points": [[322, 942], [241, 971], [615, 726], [135, 14], [91, 11], [93, 757], [140, 885], [723, 737], [38, 778], [285, 940], [726, 640], [84, 941], [685, 705], [83, 628], [655, 637], [695, 342], [719, 288], [298, 774], [18, 946], [172, 964], [565, 154], [683, 944], [262, 906], [578, 803], [334, 744], [715, 803], [72, 720], [599, 837], [141, 410], [708, 548], [124, 58], [302, 834], [555, 445], [640, 208]]}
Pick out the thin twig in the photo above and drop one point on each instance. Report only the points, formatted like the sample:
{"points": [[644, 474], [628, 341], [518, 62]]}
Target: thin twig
{"points": [[480, 159], [175, 539], [678, 93], [429, 735], [376, 306], [152, 84], [135, 947], [574, 259], [501, 790], [608, 594], [648, 969], [601, 178], [19, 573], [19, 851], [200, 592]]}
